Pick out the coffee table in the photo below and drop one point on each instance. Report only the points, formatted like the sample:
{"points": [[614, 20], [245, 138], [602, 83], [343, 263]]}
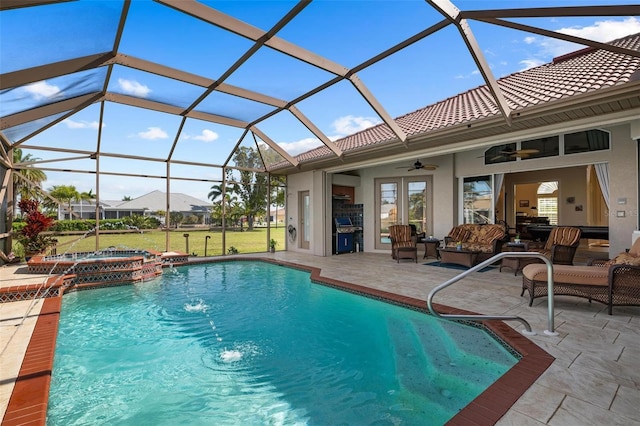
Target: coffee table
{"points": [[462, 257]]}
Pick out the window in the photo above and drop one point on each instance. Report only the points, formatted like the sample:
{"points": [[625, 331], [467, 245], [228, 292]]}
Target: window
{"points": [[548, 201], [500, 154], [477, 199], [590, 140], [544, 147]]}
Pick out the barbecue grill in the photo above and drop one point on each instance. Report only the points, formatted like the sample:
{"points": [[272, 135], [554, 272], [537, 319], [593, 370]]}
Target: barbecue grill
{"points": [[344, 234]]}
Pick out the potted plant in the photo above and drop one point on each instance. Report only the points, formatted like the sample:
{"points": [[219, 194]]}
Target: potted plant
{"points": [[272, 245], [30, 236], [517, 239]]}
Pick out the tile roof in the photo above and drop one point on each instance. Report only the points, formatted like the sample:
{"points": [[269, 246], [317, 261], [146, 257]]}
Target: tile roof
{"points": [[583, 71]]}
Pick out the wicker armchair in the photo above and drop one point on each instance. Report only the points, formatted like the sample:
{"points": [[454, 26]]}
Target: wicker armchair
{"points": [[561, 245], [403, 245]]}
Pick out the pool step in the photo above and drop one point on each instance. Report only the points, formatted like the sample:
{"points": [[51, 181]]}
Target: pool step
{"points": [[418, 377], [480, 359]]}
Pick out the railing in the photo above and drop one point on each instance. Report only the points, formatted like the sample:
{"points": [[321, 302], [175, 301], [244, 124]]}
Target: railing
{"points": [[551, 331]]}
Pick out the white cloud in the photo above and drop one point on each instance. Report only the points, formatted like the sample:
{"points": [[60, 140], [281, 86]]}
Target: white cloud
{"points": [[605, 31], [602, 31], [530, 63], [132, 87], [153, 133], [350, 124], [42, 90], [303, 145], [206, 136], [82, 124]]}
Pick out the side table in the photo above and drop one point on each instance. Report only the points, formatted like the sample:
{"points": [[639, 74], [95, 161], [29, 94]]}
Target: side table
{"points": [[431, 247], [516, 263]]}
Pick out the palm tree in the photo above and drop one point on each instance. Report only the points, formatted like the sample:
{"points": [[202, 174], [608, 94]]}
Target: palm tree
{"points": [[65, 193], [85, 196], [22, 187], [216, 191]]}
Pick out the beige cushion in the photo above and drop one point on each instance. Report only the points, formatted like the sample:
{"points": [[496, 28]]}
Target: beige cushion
{"points": [[635, 248], [568, 274], [624, 259]]}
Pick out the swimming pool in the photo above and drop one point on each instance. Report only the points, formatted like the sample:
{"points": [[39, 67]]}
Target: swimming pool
{"points": [[256, 343]]}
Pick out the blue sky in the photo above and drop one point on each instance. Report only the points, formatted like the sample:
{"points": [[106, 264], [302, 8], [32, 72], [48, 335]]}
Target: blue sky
{"points": [[345, 32]]}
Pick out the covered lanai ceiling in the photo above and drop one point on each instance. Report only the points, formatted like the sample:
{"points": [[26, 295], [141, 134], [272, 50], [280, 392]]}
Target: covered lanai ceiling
{"points": [[186, 84]]}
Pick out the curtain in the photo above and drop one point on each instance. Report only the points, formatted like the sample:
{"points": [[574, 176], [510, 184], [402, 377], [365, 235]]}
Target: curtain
{"points": [[498, 180], [597, 140], [602, 172]]}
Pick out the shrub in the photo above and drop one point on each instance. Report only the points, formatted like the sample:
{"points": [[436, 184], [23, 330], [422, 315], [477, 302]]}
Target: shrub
{"points": [[30, 236]]}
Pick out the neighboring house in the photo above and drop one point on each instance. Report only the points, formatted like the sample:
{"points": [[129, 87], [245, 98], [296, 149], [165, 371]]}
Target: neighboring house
{"points": [[145, 205]]}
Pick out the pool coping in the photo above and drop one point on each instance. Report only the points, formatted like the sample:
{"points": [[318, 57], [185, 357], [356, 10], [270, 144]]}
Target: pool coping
{"points": [[29, 399]]}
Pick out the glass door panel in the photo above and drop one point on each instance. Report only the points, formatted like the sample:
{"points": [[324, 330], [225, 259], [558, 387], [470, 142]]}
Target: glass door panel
{"points": [[305, 220], [417, 205], [477, 199], [387, 202]]}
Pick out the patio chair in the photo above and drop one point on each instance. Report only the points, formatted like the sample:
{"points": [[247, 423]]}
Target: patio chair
{"points": [[8, 259], [561, 245], [415, 236], [403, 245]]}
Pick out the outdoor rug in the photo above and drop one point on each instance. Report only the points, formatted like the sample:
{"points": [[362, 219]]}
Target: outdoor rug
{"points": [[455, 266]]}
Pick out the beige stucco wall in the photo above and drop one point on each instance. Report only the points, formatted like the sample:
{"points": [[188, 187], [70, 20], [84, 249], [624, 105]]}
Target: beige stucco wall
{"points": [[570, 171]]}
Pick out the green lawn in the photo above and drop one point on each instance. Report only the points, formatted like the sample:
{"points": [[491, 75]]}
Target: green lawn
{"points": [[245, 242]]}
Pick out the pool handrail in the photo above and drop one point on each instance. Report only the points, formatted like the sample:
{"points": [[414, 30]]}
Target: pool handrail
{"points": [[479, 317]]}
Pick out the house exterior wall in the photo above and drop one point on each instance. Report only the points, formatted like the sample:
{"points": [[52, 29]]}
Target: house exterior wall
{"points": [[569, 170], [312, 182], [623, 175]]}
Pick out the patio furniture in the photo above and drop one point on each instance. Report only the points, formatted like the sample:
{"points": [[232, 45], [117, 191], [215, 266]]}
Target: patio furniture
{"points": [[8, 259], [561, 245], [614, 282], [403, 246], [484, 239], [431, 246], [516, 263], [616, 285], [464, 257]]}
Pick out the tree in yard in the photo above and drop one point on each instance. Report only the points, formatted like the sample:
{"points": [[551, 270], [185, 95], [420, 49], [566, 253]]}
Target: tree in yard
{"points": [[277, 194], [175, 218], [218, 206], [127, 198], [85, 196], [252, 188], [20, 186], [65, 194], [216, 191]]}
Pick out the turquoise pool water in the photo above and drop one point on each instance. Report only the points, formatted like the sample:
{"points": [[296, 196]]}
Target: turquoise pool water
{"points": [[256, 343]]}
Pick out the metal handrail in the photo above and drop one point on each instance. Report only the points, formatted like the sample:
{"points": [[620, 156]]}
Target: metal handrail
{"points": [[479, 317]]}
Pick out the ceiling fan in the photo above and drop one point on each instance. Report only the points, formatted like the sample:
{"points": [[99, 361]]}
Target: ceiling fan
{"points": [[517, 153], [418, 165]]}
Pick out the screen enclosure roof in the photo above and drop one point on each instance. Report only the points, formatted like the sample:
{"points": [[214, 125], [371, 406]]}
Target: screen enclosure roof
{"points": [[143, 84]]}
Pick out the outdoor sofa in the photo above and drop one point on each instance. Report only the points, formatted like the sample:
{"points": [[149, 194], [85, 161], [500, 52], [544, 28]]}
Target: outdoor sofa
{"points": [[484, 238]]}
